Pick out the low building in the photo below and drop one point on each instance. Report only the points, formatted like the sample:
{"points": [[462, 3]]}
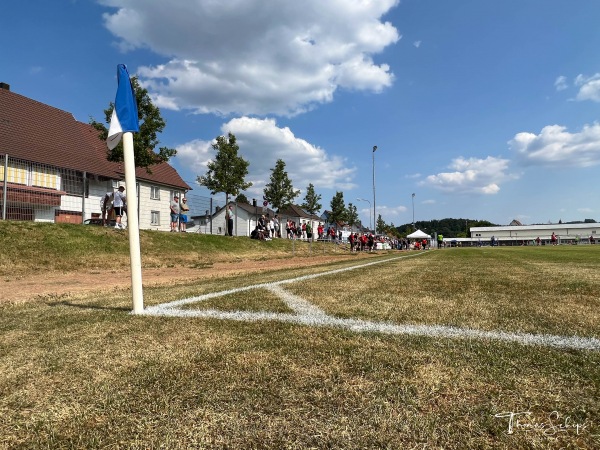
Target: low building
{"points": [[527, 234], [245, 219], [300, 217]]}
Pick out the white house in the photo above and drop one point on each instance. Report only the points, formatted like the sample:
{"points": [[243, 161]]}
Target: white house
{"points": [[245, 219], [54, 168]]}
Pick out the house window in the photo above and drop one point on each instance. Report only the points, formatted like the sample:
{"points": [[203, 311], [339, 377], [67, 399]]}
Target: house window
{"points": [[155, 218], [154, 193], [72, 182], [44, 177], [17, 173]]}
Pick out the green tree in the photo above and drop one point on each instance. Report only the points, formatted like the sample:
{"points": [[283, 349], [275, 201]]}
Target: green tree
{"points": [[338, 208], [227, 171], [392, 231], [144, 142], [241, 198], [311, 200], [380, 225], [351, 215], [279, 192]]}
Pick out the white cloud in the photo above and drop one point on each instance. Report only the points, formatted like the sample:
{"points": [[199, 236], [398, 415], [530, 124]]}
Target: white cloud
{"points": [[390, 213], [471, 176], [561, 83], [589, 87], [255, 57], [417, 44], [585, 210], [554, 146], [262, 143]]}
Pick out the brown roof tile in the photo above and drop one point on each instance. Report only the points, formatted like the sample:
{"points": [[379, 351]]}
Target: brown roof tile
{"points": [[40, 133]]}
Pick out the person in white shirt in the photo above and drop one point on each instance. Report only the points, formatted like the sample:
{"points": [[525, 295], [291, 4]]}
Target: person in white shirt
{"points": [[119, 206], [272, 228]]}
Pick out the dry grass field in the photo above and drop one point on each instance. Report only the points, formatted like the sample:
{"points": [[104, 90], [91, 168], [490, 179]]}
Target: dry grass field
{"points": [[79, 371]]}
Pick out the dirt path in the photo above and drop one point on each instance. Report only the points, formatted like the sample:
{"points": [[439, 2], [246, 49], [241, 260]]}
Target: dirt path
{"points": [[32, 286]]}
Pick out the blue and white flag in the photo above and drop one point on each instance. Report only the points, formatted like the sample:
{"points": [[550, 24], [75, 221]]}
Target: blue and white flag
{"points": [[125, 114]]}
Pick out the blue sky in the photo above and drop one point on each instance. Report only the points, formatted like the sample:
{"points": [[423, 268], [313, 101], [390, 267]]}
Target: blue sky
{"points": [[483, 109]]}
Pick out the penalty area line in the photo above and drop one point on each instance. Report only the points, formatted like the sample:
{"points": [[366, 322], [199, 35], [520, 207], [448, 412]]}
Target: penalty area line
{"points": [[307, 314]]}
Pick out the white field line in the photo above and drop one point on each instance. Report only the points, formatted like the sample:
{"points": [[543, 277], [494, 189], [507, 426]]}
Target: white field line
{"points": [[308, 314]]}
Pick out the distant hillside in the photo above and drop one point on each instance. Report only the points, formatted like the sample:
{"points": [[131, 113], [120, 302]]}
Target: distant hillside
{"points": [[447, 227]]}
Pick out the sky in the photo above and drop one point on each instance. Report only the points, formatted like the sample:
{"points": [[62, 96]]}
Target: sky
{"points": [[480, 109]]}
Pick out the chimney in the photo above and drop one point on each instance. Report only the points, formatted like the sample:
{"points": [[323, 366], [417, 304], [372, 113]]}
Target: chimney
{"points": [[5, 86]]}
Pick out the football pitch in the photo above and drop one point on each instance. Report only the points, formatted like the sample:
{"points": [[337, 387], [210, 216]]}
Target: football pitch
{"points": [[456, 348]]}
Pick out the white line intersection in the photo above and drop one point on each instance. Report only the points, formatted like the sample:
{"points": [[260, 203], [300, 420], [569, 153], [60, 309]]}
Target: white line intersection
{"points": [[308, 314]]}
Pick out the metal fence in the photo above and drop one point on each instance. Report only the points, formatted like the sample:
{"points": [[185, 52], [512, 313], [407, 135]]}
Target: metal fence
{"points": [[43, 193], [201, 210], [40, 192]]}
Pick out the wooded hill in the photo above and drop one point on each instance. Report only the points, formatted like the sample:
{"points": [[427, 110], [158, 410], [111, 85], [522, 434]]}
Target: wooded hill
{"points": [[447, 227]]}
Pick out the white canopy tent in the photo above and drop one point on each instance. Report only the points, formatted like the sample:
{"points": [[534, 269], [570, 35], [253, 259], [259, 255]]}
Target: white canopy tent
{"points": [[418, 235]]}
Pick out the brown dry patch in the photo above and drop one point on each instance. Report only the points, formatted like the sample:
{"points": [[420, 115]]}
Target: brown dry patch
{"points": [[26, 287]]}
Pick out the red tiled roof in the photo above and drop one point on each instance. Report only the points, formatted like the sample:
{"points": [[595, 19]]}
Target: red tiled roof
{"points": [[36, 132]]}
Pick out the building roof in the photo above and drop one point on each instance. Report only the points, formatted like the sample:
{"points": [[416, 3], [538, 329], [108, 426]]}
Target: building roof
{"points": [[251, 210], [36, 132], [296, 211]]}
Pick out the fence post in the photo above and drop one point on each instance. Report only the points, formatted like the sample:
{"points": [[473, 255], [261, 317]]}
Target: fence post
{"points": [[211, 215], [83, 197], [5, 187]]}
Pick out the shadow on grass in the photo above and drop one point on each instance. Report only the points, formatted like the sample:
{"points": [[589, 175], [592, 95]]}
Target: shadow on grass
{"points": [[76, 305]]}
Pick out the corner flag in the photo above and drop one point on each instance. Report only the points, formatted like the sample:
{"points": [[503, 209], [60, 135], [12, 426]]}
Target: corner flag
{"points": [[125, 114]]}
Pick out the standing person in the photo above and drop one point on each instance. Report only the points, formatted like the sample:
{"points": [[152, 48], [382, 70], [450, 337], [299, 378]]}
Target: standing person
{"points": [[272, 226], [370, 242], [175, 210], [230, 215], [440, 240], [119, 206], [106, 206], [553, 238], [309, 232], [183, 218], [276, 226]]}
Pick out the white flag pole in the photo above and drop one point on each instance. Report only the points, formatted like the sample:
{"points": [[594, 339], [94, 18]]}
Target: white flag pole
{"points": [[133, 225]]}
